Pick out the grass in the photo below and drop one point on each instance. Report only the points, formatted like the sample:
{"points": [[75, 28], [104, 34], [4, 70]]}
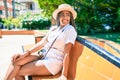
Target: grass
{"points": [[115, 37], [45, 31]]}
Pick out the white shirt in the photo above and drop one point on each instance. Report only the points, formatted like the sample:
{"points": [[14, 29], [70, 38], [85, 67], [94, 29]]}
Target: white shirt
{"points": [[65, 35]]}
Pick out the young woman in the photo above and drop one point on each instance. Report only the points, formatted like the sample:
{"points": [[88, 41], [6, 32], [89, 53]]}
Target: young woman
{"points": [[56, 44]]}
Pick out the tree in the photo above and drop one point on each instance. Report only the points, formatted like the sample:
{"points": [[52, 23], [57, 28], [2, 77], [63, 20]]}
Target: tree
{"points": [[91, 14], [49, 6]]}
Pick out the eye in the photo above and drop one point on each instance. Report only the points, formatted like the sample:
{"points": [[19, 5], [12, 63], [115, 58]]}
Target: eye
{"points": [[64, 14], [61, 15], [67, 14]]}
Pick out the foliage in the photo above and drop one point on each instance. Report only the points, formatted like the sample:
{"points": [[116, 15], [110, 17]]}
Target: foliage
{"points": [[11, 23], [27, 21], [117, 21], [35, 22], [49, 6], [92, 15], [7, 22], [16, 22]]}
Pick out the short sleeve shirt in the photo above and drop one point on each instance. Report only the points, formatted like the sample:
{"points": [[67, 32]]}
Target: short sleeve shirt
{"points": [[55, 56], [65, 35]]}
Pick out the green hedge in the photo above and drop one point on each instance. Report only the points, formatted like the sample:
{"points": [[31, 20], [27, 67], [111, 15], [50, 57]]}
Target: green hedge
{"points": [[36, 23]]}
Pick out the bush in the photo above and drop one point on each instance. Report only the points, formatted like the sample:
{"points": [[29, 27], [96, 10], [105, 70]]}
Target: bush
{"points": [[37, 22], [11, 23]]}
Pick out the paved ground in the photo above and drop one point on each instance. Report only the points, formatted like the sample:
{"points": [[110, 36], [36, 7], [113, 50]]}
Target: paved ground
{"points": [[10, 45]]}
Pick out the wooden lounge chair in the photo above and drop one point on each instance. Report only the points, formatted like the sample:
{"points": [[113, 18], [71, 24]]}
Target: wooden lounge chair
{"points": [[74, 55], [95, 63]]}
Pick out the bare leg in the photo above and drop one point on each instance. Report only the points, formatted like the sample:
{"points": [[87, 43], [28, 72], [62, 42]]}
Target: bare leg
{"points": [[10, 69], [32, 68], [14, 68], [13, 73], [19, 78]]}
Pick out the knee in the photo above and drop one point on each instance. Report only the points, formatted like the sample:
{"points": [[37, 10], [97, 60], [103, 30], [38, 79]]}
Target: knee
{"points": [[16, 63]]}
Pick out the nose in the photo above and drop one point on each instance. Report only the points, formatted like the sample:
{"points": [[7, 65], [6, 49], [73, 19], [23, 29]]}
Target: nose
{"points": [[65, 16]]}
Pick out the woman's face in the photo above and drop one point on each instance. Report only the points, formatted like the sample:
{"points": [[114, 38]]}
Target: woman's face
{"points": [[64, 17]]}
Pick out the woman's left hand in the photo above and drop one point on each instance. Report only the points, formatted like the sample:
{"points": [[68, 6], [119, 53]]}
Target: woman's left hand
{"points": [[62, 77], [23, 56]]}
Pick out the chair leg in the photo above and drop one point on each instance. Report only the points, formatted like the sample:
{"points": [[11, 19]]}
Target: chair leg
{"points": [[29, 77]]}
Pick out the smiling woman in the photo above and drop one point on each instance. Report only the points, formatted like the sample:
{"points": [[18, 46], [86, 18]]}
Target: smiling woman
{"points": [[57, 45]]}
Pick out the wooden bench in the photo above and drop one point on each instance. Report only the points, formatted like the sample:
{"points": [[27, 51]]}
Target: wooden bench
{"points": [[0, 33], [74, 55], [91, 65]]}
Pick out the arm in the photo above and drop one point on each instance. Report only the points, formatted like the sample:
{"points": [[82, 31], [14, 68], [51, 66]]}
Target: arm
{"points": [[70, 40], [35, 48], [67, 49], [40, 44]]}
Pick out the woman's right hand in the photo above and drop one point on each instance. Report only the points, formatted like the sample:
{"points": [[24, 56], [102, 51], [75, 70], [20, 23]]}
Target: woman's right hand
{"points": [[15, 57], [18, 57]]}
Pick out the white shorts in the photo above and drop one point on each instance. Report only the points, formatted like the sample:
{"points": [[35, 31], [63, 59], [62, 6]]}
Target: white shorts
{"points": [[53, 61]]}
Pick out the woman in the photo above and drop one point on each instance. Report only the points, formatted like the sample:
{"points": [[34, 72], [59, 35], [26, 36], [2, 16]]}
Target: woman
{"points": [[57, 42]]}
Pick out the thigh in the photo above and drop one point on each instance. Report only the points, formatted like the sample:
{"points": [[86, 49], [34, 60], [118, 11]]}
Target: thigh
{"points": [[34, 68], [26, 60]]}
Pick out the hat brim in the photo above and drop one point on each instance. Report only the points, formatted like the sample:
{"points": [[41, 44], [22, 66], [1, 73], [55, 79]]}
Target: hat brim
{"points": [[55, 13]]}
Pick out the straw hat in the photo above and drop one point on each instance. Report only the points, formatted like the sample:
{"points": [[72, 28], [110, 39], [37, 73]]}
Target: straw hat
{"points": [[63, 7]]}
